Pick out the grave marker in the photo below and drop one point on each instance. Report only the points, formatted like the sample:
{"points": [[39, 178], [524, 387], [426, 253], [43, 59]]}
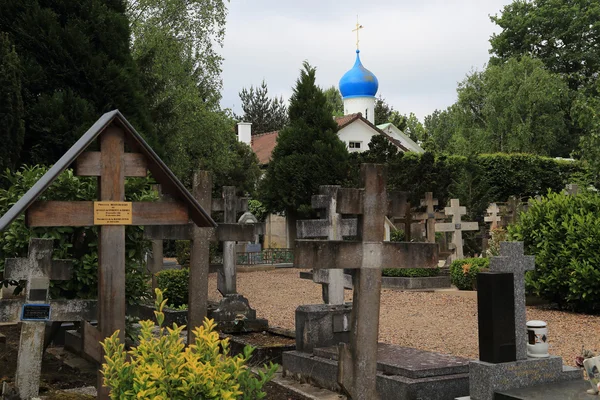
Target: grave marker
{"points": [[430, 216], [358, 362], [38, 269], [572, 189], [457, 226], [493, 216], [333, 227]]}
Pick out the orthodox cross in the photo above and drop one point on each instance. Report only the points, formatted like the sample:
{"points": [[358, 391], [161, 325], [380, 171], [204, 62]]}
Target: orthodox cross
{"points": [[430, 215], [456, 226], [357, 29], [513, 260], [493, 215], [38, 269], [357, 365]]}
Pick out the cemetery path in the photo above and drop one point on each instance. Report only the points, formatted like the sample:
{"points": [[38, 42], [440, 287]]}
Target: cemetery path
{"points": [[434, 321]]}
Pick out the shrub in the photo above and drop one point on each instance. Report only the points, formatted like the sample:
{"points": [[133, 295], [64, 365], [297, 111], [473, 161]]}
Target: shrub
{"points": [[563, 232], [463, 273], [182, 252], [411, 272], [162, 368], [497, 235], [397, 235], [174, 283]]}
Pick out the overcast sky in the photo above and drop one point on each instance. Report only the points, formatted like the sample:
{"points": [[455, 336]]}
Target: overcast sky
{"points": [[418, 50]]}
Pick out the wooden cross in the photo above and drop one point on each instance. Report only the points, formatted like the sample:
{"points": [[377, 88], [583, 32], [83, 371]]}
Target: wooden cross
{"points": [[333, 227], [493, 215], [38, 269], [358, 28], [456, 227], [200, 239], [430, 215], [357, 368], [513, 259]]}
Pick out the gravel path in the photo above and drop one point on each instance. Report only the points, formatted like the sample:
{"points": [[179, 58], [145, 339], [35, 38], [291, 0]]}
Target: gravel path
{"points": [[439, 322]]}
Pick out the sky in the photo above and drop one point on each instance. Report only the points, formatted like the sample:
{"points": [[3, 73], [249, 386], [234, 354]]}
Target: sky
{"points": [[419, 50]]}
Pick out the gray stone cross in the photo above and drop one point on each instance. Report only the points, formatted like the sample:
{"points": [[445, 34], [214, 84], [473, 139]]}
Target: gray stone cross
{"points": [[357, 366], [513, 260], [493, 215], [430, 215], [457, 226], [38, 269], [333, 227]]}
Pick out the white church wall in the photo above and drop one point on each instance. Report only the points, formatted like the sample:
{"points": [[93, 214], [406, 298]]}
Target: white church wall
{"points": [[363, 105], [356, 132]]}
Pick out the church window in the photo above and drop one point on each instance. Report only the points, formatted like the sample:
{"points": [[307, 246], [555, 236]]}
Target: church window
{"points": [[354, 145], [366, 113]]}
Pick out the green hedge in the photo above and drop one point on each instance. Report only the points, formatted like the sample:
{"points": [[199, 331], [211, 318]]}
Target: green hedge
{"points": [[463, 273], [174, 284], [563, 232], [411, 272]]}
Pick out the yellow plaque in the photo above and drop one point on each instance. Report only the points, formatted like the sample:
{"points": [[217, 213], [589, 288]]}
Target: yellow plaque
{"points": [[112, 213]]}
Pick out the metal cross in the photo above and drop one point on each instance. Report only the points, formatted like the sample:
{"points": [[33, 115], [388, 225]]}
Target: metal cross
{"points": [[358, 27]]}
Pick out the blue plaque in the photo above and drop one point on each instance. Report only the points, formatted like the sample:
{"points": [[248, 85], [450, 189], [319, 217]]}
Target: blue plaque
{"points": [[35, 312]]}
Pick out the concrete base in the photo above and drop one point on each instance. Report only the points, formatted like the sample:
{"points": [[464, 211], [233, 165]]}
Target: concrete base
{"points": [[322, 325], [486, 379], [402, 283], [322, 372], [572, 390], [233, 314]]}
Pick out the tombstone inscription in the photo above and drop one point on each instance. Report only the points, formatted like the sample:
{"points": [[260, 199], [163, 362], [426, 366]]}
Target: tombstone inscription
{"points": [[358, 362]]}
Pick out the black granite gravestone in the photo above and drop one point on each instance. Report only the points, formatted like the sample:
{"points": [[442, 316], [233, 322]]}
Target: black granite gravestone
{"points": [[495, 307]]}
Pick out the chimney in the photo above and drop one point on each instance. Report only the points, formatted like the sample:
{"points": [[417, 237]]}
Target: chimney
{"points": [[245, 132]]}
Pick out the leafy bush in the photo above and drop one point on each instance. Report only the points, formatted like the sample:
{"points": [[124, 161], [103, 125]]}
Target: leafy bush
{"points": [[563, 232], [79, 244], [182, 252], [463, 273], [397, 235], [411, 272], [174, 283], [162, 368]]}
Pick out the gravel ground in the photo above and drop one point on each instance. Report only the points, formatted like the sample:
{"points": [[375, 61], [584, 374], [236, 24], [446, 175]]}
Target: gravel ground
{"points": [[440, 322]]}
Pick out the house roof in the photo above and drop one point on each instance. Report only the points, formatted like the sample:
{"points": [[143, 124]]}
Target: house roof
{"points": [[157, 167], [263, 144]]}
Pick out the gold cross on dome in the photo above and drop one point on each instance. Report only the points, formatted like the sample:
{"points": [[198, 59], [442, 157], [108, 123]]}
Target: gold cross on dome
{"points": [[358, 27]]}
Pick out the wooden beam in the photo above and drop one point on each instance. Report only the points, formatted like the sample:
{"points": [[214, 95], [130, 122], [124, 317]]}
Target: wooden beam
{"points": [[81, 213], [89, 164]]}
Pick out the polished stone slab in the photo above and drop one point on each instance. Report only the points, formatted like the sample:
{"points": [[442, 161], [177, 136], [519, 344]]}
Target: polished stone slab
{"points": [[569, 390]]}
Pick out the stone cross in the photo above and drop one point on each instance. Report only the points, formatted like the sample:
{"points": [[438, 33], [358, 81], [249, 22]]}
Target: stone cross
{"points": [[357, 365], [493, 215], [405, 218], [200, 241], [430, 215], [513, 260], [333, 227], [38, 269], [456, 227], [572, 189], [513, 208]]}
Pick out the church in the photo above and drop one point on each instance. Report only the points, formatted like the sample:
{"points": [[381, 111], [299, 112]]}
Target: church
{"points": [[358, 87]]}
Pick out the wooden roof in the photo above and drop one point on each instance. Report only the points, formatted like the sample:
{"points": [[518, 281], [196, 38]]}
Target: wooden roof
{"points": [[156, 166]]}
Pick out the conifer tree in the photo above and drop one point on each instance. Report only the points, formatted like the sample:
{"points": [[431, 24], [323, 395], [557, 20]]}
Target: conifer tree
{"points": [[266, 114], [308, 153]]}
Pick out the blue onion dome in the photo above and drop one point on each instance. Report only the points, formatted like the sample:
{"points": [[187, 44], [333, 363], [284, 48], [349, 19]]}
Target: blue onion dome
{"points": [[359, 81]]}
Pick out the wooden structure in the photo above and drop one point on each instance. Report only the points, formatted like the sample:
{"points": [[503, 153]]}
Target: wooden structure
{"points": [[123, 153]]}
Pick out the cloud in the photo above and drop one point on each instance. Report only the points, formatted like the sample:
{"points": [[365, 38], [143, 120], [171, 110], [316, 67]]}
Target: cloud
{"points": [[417, 50]]}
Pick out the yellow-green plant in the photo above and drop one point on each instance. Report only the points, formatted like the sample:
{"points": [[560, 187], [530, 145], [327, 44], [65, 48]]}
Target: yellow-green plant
{"points": [[162, 368]]}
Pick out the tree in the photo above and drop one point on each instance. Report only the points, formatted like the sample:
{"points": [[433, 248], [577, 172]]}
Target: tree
{"points": [[414, 128], [266, 114], [308, 153], [518, 106], [335, 102], [385, 113], [440, 127], [12, 126], [76, 65], [563, 34]]}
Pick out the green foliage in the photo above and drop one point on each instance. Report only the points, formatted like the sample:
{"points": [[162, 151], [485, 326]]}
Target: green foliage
{"points": [[174, 283], [563, 232], [161, 367], [78, 244], [257, 209], [12, 113], [397, 235], [182, 252], [334, 101], [266, 114], [76, 65], [411, 272], [385, 113], [463, 273], [308, 153]]}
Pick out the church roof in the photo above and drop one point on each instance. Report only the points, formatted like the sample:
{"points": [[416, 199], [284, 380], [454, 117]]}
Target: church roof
{"points": [[358, 81], [263, 144]]}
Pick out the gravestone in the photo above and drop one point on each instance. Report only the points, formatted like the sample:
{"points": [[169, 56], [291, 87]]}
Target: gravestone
{"points": [[111, 165], [503, 332], [457, 226], [493, 216], [430, 216], [512, 210], [357, 364], [38, 269], [572, 189], [332, 227]]}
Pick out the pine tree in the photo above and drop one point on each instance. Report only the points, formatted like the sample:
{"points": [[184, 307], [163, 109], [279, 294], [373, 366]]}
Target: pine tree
{"points": [[12, 127], [76, 65], [308, 153], [266, 114]]}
